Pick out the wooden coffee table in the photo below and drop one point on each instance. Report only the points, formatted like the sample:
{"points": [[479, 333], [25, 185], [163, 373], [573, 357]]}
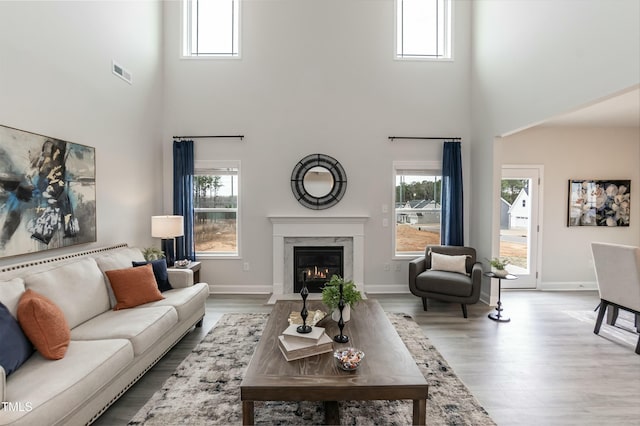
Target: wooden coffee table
{"points": [[388, 371]]}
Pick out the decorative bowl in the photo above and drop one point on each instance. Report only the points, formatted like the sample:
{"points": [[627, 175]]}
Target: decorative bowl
{"points": [[348, 359], [181, 263]]}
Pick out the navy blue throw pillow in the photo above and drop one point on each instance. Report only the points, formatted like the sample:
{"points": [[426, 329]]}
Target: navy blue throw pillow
{"points": [[15, 348], [160, 272]]}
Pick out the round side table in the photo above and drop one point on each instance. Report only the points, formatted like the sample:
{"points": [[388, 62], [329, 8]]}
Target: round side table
{"points": [[497, 316]]}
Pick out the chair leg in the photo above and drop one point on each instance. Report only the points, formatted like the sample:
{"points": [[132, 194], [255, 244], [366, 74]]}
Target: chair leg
{"points": [[638, 346], [424, 303], [612, 315], [638, 323], [464, 310], [603, 308]]}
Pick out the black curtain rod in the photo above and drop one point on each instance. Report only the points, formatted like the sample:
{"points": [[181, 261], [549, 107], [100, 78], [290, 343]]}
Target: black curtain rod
{"points": [[209, 137], [391, 138]]}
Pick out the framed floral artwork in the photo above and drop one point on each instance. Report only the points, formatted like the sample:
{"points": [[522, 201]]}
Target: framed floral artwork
{"points": [[599, 203], [47, 193]]}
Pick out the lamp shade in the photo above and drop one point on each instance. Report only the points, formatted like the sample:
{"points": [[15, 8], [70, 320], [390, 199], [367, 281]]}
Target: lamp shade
{"points": [[167, 226]]}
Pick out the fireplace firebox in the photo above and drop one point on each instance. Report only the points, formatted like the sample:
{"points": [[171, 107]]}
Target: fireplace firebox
{"points": [[319, 263]]}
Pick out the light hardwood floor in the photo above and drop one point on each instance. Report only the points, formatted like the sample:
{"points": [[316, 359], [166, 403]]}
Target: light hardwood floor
{"points": [[545, 367]]}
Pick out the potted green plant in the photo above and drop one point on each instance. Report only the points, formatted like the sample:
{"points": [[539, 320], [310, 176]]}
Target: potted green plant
{"points": [[331, 297], [152, 253], [499, 266]]}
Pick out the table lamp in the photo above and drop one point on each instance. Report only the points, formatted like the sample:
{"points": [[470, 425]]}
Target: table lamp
{"points": [[167, 228]]}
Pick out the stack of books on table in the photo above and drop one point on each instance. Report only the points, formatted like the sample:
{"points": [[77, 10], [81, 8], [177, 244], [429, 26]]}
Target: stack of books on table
{"points": [[294, 345]]}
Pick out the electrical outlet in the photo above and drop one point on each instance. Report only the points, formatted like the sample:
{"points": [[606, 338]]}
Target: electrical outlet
{"points": [[397, 267], [385, 208], [245, 266], [385, 222], [387, 267]]}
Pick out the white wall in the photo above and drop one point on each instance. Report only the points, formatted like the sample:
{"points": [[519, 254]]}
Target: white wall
{"points": [[56, 80], [532, 60], [315, 77], [576, 153]]}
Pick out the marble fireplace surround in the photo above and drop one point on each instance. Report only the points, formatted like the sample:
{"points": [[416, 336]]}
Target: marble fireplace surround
{"points": [[290, 231]]}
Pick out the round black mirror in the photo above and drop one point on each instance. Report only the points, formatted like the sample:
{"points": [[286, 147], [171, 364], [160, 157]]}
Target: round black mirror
{"points": [[318, 181]]}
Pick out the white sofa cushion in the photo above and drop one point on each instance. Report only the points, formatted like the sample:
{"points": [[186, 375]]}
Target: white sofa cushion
{"points": [[86, 368], [186, 301], [117, 259], [77, 288], [142, 326], [180, 278], [10, 293]]}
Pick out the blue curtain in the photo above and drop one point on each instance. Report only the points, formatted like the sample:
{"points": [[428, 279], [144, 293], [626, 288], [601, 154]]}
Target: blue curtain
{"points": [[183, 170], [452, 226]]}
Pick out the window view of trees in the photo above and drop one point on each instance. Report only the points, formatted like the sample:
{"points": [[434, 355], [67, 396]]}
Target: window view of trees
{"points": [[417, 212], [510, 188], [514, 221], [216, 212]]}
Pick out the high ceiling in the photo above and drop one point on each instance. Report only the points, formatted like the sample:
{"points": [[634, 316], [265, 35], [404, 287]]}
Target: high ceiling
{"points": [[622, 110]]}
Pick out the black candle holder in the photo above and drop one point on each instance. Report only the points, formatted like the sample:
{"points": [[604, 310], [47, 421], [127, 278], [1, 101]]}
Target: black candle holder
{"points": [[304, 328], [341, 338]]}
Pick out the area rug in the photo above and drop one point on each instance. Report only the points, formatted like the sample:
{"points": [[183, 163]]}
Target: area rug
{"points": [[205, 388]]}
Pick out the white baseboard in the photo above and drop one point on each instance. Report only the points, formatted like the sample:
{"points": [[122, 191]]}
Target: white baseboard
{"points": [[485, 298], [568, 285], [387, 289], [240, 289], [268, 289], [402, 289]]}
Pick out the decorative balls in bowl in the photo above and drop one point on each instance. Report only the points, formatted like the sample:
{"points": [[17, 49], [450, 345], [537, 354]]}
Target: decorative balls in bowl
{"points": [[182, 263], [348, 358]]}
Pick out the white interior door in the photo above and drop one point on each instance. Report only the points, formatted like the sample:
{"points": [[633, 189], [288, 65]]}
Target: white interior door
{"points": [[519, 223]]}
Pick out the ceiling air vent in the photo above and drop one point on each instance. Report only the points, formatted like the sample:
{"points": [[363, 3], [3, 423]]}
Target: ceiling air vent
{"points": [[121, 72]]}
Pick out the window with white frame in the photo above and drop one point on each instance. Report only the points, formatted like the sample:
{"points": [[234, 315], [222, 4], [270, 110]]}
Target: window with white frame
{"points": [[216, 206], [423, 29], [211, 28], [417, 201]]}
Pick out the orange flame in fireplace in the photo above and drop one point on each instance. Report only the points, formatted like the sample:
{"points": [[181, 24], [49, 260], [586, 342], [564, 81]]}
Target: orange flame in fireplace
{"points": [[317, 274]]}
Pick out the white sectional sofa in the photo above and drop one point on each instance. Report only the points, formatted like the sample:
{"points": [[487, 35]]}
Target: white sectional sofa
{"points": [[109, 350]]}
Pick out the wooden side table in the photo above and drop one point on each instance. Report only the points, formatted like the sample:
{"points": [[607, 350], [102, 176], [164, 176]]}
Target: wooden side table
{"points": [[497, 316], [195, 267]]}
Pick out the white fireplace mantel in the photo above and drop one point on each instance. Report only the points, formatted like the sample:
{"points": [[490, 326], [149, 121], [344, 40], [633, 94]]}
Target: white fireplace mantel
{"points": [[317, 226]]}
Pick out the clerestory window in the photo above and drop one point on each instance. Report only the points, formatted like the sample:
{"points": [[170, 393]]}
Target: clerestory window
{"points": [[423, 29], [211, 28]]}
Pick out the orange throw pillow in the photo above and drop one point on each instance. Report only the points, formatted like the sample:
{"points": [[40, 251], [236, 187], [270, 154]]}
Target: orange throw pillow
{"points": [[133, 286], [44, 324]]}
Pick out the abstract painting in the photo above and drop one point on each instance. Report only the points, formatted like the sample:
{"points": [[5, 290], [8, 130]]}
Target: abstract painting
{"points": [[599, 202], [47, 193]]}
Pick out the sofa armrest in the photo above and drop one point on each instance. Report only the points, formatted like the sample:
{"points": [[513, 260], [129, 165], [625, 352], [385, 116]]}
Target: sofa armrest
{"points": [[476, 281], [416, 266], [476, 271], [3, 385], [180, 278]]}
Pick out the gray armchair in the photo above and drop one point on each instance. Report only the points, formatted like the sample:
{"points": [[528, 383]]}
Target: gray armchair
{"points": [[444, 285]]}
